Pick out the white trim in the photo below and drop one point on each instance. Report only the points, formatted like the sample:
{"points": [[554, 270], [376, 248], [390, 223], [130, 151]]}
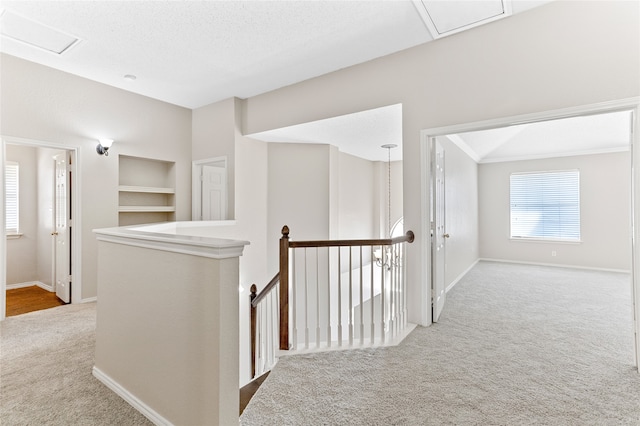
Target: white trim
{"points": [[215, 248], [31, 284], [592, 109], [90, 299], [558, 265], [424, 256], [135, 402], [459, 277], [632, 103], [554, 155]]}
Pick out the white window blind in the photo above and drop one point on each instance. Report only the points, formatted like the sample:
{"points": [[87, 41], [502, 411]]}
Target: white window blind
{"points": [[12, 197], [546, 205]]}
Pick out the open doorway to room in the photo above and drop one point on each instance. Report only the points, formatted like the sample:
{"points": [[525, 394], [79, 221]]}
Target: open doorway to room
{"points": [[603, 160], [39, 206]]}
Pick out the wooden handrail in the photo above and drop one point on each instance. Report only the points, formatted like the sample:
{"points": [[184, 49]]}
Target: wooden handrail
{"points": [[408, 237], [258, 297]]}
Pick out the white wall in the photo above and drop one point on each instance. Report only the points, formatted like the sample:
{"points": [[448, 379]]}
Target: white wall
{"points": [[22, 259], [461, 217], [42, 104], [358, 211], [605, 185], [298, 194]]}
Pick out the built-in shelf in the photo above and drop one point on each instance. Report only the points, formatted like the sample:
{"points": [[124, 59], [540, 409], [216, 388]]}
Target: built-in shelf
{"points": [[147, 209], [146, 191]]}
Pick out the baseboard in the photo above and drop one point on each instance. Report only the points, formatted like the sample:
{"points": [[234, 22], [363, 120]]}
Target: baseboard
{"points": [[557, 265], [459, 277], [89, 299], [143, 408], [30, 284]]}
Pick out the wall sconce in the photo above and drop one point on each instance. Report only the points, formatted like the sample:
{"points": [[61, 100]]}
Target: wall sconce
{"points": [[103, 146]]}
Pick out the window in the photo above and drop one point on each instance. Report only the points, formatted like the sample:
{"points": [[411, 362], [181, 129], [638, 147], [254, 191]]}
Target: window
{"points": [[546, 205], [12, 200]]}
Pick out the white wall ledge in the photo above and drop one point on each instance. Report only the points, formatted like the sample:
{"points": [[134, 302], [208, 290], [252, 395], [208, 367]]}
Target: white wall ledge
{"points": [[173, 241]]}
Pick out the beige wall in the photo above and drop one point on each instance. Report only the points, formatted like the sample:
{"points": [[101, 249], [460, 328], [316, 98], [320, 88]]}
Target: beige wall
{"points": [[461, 205], [499, 70], [43, 104], [605, 211]]}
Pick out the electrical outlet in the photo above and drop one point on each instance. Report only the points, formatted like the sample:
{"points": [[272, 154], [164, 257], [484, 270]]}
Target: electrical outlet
{"points": [[553, 252]]}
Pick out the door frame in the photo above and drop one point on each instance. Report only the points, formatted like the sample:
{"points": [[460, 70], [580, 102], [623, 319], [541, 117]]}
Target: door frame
{"points": [[76, 235], [196, 185], [632, 104]]}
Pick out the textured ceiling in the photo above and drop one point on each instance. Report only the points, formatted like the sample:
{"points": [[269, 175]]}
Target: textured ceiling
{"points": [[194, 53]]}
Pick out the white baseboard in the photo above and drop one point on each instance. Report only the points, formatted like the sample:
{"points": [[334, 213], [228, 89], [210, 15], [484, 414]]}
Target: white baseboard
{"points": [[459, 277], [89, 299], [30, 284], [624, 271], [143, 408]]}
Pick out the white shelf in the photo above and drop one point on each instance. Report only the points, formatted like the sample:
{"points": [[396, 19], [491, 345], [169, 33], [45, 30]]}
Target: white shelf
{"points": [[146, 189], [148, 209]]}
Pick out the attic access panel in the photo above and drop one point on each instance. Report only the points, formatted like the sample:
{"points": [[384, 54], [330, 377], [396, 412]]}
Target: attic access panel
{"points": [[448, 17]]}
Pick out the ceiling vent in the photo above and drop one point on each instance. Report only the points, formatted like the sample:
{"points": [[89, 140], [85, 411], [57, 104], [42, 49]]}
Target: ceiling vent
{"points": [[26, 31], [444, 18]]}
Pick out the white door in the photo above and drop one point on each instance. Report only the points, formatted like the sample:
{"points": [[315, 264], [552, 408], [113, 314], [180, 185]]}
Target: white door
{"points": [[214, 193], [439, 234], [61, 232]]}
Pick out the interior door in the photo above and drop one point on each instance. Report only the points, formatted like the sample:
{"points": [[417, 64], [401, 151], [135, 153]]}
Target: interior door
{"points": [[62, 253], [438, 230], [214, 193]]}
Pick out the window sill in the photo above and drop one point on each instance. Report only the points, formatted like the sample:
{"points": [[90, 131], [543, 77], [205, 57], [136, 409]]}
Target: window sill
{"points": [[14, 236], [544, 240]]}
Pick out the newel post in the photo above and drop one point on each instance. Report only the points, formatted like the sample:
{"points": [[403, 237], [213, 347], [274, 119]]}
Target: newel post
{"points": [[284, 289], [253, 309]]}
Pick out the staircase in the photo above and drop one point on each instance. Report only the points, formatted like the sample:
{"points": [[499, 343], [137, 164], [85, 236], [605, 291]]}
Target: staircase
{"points": [[330, 294]]}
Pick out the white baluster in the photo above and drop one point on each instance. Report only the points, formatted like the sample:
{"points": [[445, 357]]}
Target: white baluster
{"points": [[350, 297], [329, 297], [293, 303], [382, 297], [306, 303], [317, 298], [339, 307], [361, 302], [373, 326]]}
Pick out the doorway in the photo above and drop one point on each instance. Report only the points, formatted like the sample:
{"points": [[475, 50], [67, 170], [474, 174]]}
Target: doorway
{"points": [[42, 254], [630, 106], [209, 183]]}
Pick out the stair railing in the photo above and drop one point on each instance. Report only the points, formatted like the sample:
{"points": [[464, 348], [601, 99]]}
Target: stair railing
{"points": [[334, 292]]}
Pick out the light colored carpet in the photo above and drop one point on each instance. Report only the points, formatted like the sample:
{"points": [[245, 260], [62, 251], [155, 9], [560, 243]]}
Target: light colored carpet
{"points": [[516, 345], [46, 358]]}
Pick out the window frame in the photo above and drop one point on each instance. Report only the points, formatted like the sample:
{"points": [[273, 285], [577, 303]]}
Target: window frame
{"points": [[549, 238], [12, 206]]}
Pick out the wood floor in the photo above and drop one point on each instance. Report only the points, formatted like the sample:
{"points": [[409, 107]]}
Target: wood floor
{"points": [[29, 299]]}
